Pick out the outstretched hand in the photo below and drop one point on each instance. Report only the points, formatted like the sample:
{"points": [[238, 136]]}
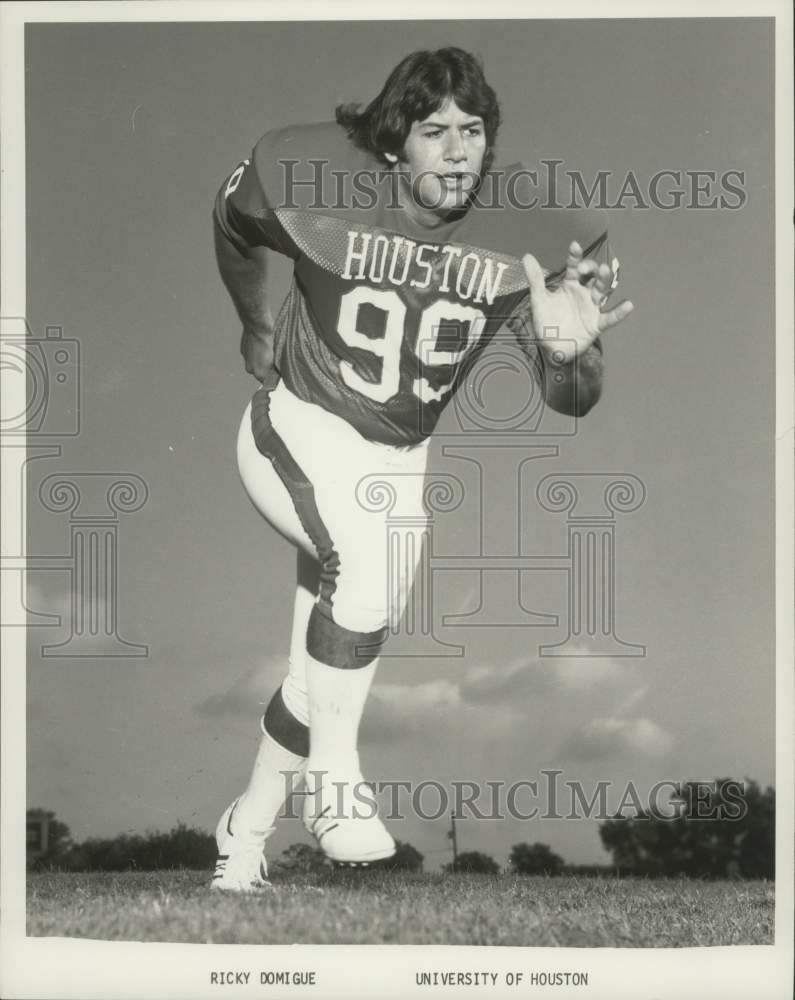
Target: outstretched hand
{"points": [[569, 318]]}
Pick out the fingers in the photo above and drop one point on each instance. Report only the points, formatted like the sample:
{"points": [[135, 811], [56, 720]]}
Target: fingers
{"points": [[573, 259], [599, 277], [603, 284], [587, 271], [615, 315], [535, 275]]}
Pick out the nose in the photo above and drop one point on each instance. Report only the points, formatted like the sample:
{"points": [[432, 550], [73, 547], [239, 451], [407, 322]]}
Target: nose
{"points": [[454, 151]]}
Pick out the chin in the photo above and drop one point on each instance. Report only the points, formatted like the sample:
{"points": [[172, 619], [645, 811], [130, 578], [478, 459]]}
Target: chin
{"points": [[452, 203]]}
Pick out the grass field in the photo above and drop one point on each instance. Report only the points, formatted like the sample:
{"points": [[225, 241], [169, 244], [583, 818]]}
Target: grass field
{"points": [[378, 907]]}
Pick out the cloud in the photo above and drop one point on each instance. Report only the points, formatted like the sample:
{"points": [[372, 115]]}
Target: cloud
{"points": [[632, 700], [508, 685], [395, 711], [586, 671], [254, 687], [399, 711], [613, 738], [428, 696]]}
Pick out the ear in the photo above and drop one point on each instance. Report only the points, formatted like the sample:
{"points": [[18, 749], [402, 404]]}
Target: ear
{"points": [[391, 158]]}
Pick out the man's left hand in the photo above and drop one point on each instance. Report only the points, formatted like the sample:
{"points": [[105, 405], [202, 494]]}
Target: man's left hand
{"points": [[569, 318]]}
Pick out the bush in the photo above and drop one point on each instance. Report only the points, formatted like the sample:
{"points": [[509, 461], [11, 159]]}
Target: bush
{"points": [[473, 863], [302, 859], [723, 829], [181, 847], [535, 859]]}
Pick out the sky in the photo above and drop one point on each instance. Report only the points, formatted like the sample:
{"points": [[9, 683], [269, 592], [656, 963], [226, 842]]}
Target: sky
{"points": [[130, 130]]}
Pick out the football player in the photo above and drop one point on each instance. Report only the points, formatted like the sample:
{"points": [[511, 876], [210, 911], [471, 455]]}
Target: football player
{"points": [[404, 269]]}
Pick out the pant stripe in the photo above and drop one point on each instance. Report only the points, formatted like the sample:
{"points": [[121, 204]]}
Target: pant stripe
{"points": [[272, 446], [327, 641]]}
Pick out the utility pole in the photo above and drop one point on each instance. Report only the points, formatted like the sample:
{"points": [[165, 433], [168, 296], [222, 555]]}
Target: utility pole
{"points": [[452, 837]]}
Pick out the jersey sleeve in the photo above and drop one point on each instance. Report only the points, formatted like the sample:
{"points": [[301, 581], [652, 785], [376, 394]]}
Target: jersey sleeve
{"points": [[245, 217]]}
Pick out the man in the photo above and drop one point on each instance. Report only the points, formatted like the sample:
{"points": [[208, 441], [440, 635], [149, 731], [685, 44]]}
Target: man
{"points": [[404, 268]]}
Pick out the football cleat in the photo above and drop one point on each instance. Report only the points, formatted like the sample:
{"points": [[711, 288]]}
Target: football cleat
{"points": [[240, 865], [346, 827]]}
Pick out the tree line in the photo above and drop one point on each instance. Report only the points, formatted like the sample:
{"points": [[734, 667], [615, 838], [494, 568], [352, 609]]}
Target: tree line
{"points": [[705, 833]]}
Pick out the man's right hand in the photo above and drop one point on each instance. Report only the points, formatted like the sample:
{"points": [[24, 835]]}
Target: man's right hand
{"points": [[256, 346]]}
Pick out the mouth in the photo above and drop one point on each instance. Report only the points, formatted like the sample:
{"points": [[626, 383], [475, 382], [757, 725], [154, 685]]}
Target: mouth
{"points": [[457, 181]]}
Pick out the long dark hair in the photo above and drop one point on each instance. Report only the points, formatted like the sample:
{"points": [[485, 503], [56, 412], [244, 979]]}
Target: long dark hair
{"points": [[419, 85]]}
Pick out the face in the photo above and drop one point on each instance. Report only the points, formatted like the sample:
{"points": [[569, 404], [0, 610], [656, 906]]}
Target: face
{"points": [[443, 156]]}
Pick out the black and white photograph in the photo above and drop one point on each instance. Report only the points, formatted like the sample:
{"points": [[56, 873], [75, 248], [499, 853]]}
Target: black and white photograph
{"points": [[397, 553]]}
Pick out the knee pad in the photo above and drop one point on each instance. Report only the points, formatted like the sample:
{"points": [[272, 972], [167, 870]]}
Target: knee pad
{"points": [[330, 643], [282, 725]]}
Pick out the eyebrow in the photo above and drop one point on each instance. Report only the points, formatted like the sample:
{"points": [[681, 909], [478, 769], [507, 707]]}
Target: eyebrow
{"points": [[467, 124]]}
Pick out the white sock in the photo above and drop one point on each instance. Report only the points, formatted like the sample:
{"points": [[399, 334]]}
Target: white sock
{"points": [[336, 703], [275, 773], [277, 770], [294, 687]]}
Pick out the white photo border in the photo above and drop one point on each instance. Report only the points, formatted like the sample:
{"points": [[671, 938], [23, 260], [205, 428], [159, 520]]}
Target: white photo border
{"points": [[65, 968]]}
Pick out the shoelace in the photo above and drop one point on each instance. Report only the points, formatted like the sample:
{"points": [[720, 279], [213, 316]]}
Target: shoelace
{"points": [[246, 863]]}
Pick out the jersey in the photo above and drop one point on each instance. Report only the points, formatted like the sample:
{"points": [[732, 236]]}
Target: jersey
{"points": [[384, 317]]}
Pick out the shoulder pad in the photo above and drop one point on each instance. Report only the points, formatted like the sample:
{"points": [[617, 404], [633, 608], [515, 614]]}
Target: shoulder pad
{"points": [[296, 165]]}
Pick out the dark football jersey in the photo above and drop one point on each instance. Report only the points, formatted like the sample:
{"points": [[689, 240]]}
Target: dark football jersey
{"points": [[384, 317]]}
